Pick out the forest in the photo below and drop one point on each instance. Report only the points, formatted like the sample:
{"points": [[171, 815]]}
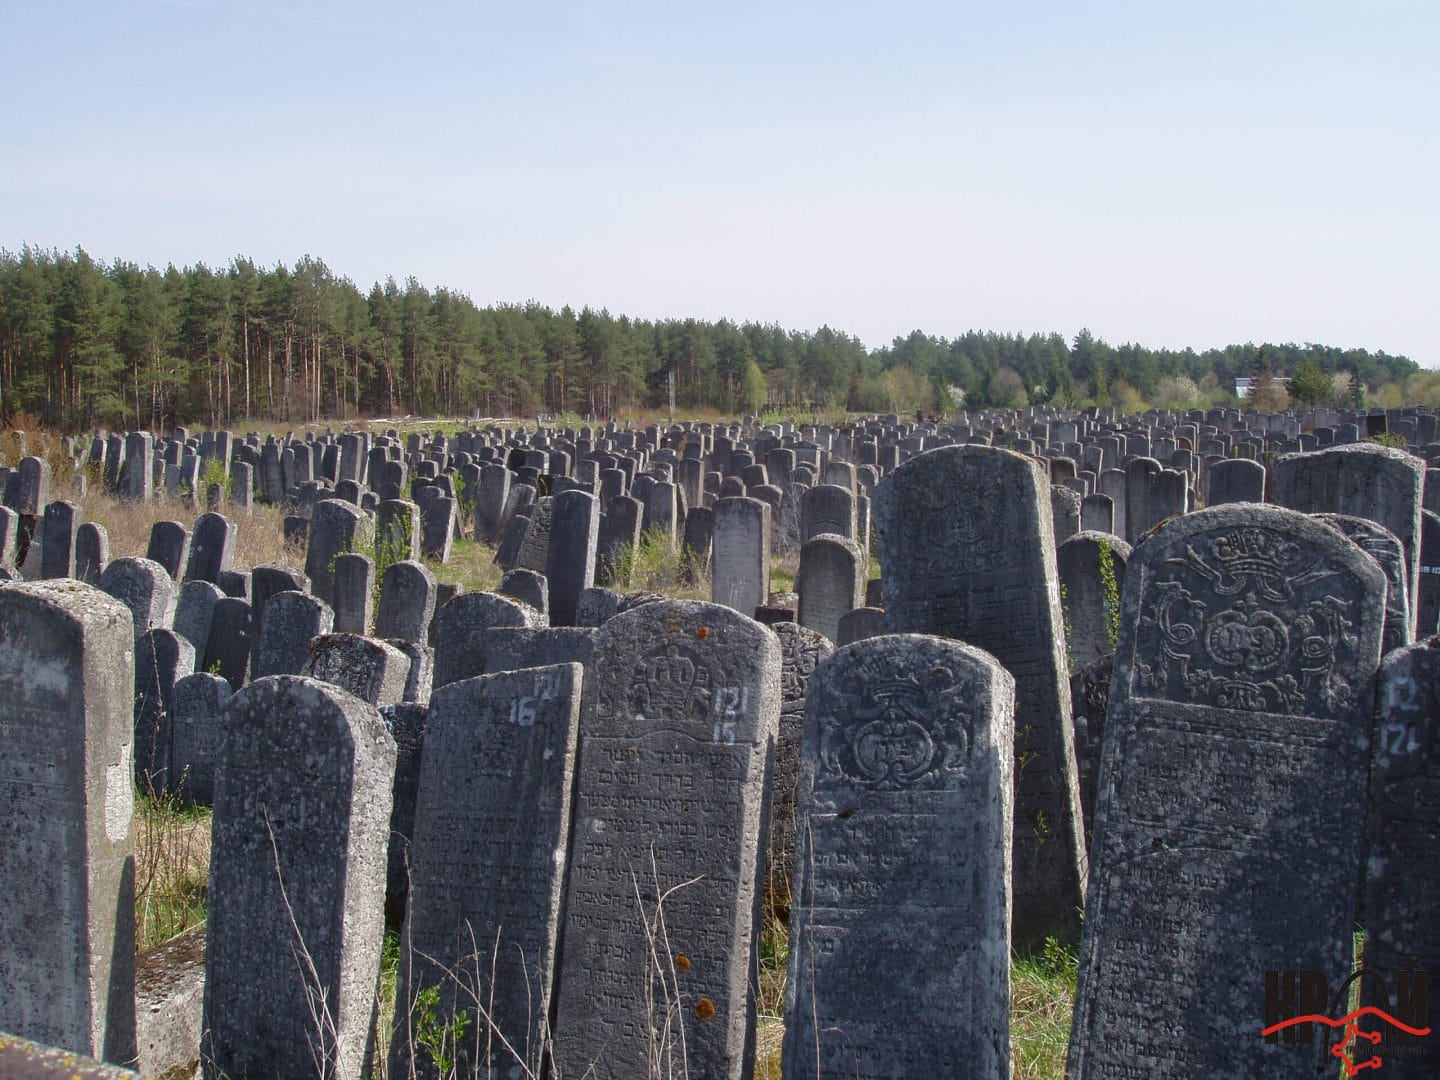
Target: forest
{"points": [[84, 343]]}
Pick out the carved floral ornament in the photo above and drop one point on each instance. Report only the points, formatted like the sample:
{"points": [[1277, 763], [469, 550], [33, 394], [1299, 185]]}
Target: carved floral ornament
{"points": [[1236, 624], [905, 730]]}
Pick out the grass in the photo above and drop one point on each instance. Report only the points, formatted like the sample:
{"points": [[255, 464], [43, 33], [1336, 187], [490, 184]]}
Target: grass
{"points": [[1042, 995], [172, 868]]}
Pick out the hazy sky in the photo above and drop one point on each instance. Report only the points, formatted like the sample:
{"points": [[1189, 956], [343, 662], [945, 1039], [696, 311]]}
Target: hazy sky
{"points": [[1177, 174]]}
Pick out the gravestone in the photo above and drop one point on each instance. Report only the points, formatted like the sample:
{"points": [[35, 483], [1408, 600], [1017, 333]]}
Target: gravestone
{"points": [[57, 556], [407, 602], [619, 533], [801, 650], [827, 508], [904, 805], [830, 582], [212, 548], [145, 588], [968, 553], [67, 945], [195, 613], [1229, 830], [460, 633], [229, 651], [863, 622], [336, 528], [405, 720], [679, 719], [535, 546], [161, 658], [513, 648], [1092, 578], [299, 836], [397, 531], [1363, 480], [1236, 480], [267, 581], [293, 620], [199, 703], [528, 587], [374, 671], [1381, 545], [487, 862], [1428, 617], [740, 561], [1090, 698], [354, 591], [1402, 929], [570, 553], [92, 552]]}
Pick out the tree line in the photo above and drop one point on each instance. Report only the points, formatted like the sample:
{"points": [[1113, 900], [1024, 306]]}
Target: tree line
{"points": [[85, 343]]}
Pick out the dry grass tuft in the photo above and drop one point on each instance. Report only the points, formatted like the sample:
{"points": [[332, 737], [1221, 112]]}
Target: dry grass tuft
{"points": [[172, 868]]}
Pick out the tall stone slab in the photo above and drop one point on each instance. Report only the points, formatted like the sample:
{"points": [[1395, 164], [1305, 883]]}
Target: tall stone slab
{"points": [[801, 651], [1428, 617], [1230, 810], [1236, 480], [92, 552], [570, 555], [67, 944], [162, 657], [57, 556], [293, 620], [1380, 544], [678, 723], [336, 528], [298, 848], [407, 602], [212, 548], [354, 592], [145, 588], [830, 581], [967, 550], [1402, 921], [1363, 480], [199, 703], [487, 863], [740, 561], [169, 546], [903, 865], [1092, 578], [460, 630]]}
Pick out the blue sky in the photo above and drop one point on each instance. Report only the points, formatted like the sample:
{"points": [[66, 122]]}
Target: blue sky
{"points": [[1170, 173]]}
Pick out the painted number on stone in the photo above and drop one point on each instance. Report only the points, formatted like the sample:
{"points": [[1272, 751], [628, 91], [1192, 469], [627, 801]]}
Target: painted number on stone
{"points": [[730, 702]]}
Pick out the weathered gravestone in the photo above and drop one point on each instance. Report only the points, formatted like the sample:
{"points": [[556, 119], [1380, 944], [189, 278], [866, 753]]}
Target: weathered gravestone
{"points": [[830, 581], [740, 561], [968, 554], [679, 719], [487, 862], [67, 946], [57, 556], [460, 633], [407, 602], [199, 702], [354, 593], [405, 720], [801, 650], [293, 620], [1230, 812], [1402, 920], [336, 528], [169, 545], [1090, 699], [513, 648], [903, 865], [1428, 617], [1092, 577], [92, 552], [536, 545], [145, 588], [212, 548], [297, 881], [1380, 544], [570, 553], [1366, 481], [374, 671], [161, 658], [1236, 480], [195, 614]]}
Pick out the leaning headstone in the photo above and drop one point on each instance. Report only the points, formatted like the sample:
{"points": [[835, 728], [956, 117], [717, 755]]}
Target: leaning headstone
{"points": [[801, 650], [1363, 480], [194, 614], [536, 545], [336, 527], [297, 881], [212, 548], [526, 586], [487, 862], [903, 830], [292, 621], [199, 702], [1228, 824], [374, 671], [1402, 927], [968, 553], [740, 560], [67, 945], [407, 602], [679, 719]]}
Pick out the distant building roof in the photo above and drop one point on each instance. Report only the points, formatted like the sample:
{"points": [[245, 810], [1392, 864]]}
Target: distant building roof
{"points": [[1244, 386]]}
